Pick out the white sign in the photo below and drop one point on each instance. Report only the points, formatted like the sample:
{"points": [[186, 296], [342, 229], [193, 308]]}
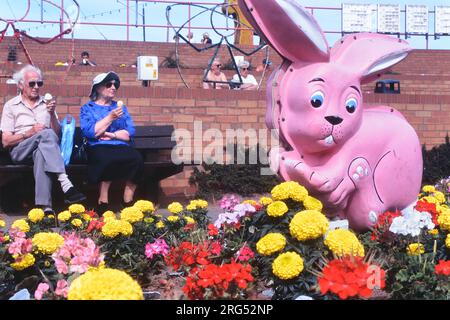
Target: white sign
{"points": [[356, 17], [417, 19], [442, 20], [389, 18], [147, 68]]}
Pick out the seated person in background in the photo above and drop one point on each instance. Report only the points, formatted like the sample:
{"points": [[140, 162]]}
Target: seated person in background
{"points": [[31, 132], [206, 39], [248, 81], [215, 74], [108, 127], [85, 60]]}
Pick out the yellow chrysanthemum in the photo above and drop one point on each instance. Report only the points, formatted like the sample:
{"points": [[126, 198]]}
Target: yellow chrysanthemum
{"points": [[113, 228], [312, 203], [77, 223], [160, 225], [431, 199], [444, 219], [145, 206], [287, 265], [21, 224], [344, 242], [109, 214], [289, 190], [173, 218], [439, 196], [175, 208], [64, 216], [277, 209], [105, 284], [250, 201], [191, 207], [447, 241], [197, 204], [308, 225], [131, 214], [415, 249], [77, 208], [2, 223], [24, 262], [189, 220], [265, 201], [270, 243], [51, 216], [429, 189], [47, 242], [36, 215], [434, 232], [86, 217]]}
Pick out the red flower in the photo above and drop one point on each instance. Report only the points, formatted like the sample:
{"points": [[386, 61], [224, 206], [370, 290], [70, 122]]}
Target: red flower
{"points": [[425, 206], [442, 268], [245, 254], [348, 277], [212, 230], [384, 221]]}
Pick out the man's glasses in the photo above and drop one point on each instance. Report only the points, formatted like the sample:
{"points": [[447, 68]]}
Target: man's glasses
{"points": [[33, 84], [110, 84], [244, 69], [218, 65]]}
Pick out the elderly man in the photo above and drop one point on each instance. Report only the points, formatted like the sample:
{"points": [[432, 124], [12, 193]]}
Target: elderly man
{"points": [[30, 130], [217, 79]]}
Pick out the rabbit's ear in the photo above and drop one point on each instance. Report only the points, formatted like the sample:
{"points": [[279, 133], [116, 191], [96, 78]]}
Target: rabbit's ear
{"points": [[368, 54], [289, 28]]}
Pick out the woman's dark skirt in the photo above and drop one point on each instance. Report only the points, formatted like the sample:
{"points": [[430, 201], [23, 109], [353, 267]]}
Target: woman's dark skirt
{"points": [[114, 162]]}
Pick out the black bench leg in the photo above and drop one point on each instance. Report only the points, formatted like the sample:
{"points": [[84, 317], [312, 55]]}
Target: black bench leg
{"points": [[149, 190]]}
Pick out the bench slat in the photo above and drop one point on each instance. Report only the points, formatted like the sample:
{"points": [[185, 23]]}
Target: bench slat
{"points": [[154, 131], [154, 143]]}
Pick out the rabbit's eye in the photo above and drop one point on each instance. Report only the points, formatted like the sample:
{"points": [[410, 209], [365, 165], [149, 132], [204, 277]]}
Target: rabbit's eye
{"points": [[351, 105], [317, 99]]}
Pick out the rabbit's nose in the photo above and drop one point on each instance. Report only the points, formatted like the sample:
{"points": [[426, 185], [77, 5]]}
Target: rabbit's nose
{"points": [[333, 120]]}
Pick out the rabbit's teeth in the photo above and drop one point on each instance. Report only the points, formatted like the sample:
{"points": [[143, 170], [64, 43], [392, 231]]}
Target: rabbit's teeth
{"points": [[329, 139]]}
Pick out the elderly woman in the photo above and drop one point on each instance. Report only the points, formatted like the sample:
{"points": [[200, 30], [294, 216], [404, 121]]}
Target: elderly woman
{"points": [[108, 127], [248, 81]]}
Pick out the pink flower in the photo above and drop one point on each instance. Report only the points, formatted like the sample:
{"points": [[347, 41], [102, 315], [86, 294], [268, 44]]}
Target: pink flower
{"points": [[41, 290], [62, 288], [158, 247], [245, 254], [20, 246], [61, 266]]}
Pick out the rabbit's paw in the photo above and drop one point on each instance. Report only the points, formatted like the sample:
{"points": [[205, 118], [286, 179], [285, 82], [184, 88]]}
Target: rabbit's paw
{"points": [[300, 171], [359, 170], [339, 196]]}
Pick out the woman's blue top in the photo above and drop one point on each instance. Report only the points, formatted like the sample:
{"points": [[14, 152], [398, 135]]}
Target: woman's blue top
{"points": [[91, 113]]}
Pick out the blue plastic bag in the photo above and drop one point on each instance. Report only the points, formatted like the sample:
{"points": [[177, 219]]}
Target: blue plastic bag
{"points": [[68, 131]]}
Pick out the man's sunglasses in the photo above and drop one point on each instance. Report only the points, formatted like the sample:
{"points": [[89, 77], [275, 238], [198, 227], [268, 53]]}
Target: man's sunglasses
{"points": [[110, 84], [218, 65], [244, 68], [32, 84]]}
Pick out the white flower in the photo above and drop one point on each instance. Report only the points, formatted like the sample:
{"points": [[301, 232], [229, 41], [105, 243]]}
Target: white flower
{"points": [[233, 217], [411, 223]]}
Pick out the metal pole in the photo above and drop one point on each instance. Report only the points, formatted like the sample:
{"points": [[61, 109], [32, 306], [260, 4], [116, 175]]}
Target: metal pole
{"points": [[136, 9], [143, 21], [42, 11], [61, 25], [128, 20]]}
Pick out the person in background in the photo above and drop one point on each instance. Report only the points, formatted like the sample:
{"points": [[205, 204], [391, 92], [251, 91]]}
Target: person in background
{"points": [[248, 81], [108, 127], [31, 130], [206, 39], [85, 60], [215, 74]]}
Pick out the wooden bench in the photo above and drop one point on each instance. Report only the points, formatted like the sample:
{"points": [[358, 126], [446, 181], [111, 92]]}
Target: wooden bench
{"points": [[154, 143]]}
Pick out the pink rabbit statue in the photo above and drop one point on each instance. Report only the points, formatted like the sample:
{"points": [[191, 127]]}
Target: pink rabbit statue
{"points": [[359, 161]]}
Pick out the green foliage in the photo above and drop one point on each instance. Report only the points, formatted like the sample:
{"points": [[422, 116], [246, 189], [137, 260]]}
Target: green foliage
{"points": [[215, 180]]}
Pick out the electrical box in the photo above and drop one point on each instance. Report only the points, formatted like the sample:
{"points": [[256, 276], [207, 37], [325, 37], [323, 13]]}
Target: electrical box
{"points": [[147, 67]]}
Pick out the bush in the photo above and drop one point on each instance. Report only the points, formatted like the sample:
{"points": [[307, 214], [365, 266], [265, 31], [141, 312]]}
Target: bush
{"points": [[215, 180], [436, 164]]}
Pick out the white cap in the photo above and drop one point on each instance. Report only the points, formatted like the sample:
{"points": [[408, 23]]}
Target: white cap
{"points": [[102, 77]]}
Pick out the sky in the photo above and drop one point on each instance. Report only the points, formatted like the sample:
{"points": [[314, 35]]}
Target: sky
{"points": [[114, 11]]}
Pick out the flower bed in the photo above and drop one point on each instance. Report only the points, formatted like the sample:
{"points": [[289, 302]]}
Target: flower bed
{"points": [[283, 245]]}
